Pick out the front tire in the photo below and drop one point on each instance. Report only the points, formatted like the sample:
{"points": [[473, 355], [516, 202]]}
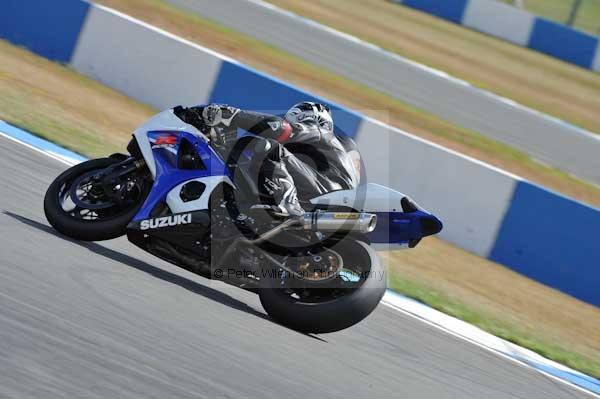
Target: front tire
{"points": [[105, 228], [336, 313]]}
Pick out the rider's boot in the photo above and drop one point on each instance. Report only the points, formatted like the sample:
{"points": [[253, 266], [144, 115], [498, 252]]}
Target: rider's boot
{"points": [[287, 202]]}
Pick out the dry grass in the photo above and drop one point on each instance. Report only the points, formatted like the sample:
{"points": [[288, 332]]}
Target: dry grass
{"points": [[587, 17], [343, 91], [534, 79], [54, 102]]}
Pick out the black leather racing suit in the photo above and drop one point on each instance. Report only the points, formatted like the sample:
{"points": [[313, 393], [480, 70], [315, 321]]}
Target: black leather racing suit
{"points": [[299, 160]]}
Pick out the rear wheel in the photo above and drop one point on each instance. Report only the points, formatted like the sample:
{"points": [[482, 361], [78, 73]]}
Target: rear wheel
{"points": [[81, 204], [337, 305]]}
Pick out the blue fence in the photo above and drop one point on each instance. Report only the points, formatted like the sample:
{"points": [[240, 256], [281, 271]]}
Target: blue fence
{"points": [[452, 10], [518, 26], [48, 28], [552, 239], [563, 42]]}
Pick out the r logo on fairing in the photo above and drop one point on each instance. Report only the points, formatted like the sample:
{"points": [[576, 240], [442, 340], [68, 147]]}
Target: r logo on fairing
{"points": [[167, 221]]}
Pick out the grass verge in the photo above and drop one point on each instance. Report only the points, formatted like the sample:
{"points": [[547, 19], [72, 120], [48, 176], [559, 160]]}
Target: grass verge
{"points": [[499, 328], [587, 17], [499, 301]]}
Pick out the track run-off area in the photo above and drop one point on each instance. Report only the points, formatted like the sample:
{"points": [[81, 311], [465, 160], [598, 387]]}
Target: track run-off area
{"points": [[107, 320]]}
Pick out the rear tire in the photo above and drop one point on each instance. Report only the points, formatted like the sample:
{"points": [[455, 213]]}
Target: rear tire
{"points": [[85, 230], [335, 314]]}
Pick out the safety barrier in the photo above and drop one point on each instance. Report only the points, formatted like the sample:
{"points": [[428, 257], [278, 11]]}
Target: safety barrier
{"points": [[497, 215], [517, 26]]}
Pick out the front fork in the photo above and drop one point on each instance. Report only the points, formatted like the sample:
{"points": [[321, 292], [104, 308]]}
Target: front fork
{"points": [[113, 179]]}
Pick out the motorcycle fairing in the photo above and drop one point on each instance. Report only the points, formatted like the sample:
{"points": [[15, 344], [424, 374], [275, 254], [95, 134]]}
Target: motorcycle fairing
{"points": [[167, 151], [165, 121]]}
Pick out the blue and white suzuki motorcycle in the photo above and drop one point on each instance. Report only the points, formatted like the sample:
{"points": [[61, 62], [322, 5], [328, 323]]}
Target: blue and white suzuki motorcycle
{"points": [[198, 207]]}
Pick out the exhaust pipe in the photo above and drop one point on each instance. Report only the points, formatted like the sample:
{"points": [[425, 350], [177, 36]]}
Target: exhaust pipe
{"points": [[339, 221]]}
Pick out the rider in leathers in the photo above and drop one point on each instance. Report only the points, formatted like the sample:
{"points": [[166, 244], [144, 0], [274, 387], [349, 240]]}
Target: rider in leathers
{"points": [[307, 128]]}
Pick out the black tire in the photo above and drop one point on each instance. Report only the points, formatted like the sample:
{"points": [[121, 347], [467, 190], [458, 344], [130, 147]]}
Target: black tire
{"points": [[335, 314], [84, 230]]}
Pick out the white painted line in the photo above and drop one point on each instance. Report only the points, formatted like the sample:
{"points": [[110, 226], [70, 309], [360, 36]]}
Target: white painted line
{"points": [[482, 339], [53, 156]]}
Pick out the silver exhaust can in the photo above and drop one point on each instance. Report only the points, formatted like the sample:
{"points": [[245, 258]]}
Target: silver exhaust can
{"points": [[340, 221]]}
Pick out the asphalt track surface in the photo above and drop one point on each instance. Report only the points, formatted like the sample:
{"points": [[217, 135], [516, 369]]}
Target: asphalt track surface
{"points": [[547, 139], [105, 320]]}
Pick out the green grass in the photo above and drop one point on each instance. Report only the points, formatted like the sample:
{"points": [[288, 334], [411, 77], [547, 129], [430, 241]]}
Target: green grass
{"points": [[587, 17], [502, 329]]}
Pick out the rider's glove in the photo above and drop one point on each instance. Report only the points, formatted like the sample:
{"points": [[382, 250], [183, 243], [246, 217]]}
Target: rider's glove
{"points": [[192, 116], [218, 118], [212, 114], [212, 120]]}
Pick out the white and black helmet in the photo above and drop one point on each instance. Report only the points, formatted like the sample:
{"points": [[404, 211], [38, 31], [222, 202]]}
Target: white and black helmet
{"points": [[309, 112]]}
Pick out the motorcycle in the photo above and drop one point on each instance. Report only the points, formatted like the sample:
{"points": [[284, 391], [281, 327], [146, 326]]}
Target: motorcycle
{"points": [[178, 197]]}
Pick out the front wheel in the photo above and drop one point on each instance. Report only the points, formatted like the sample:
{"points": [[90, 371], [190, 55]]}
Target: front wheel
{"points": [[347, 300], [83, 203]]}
